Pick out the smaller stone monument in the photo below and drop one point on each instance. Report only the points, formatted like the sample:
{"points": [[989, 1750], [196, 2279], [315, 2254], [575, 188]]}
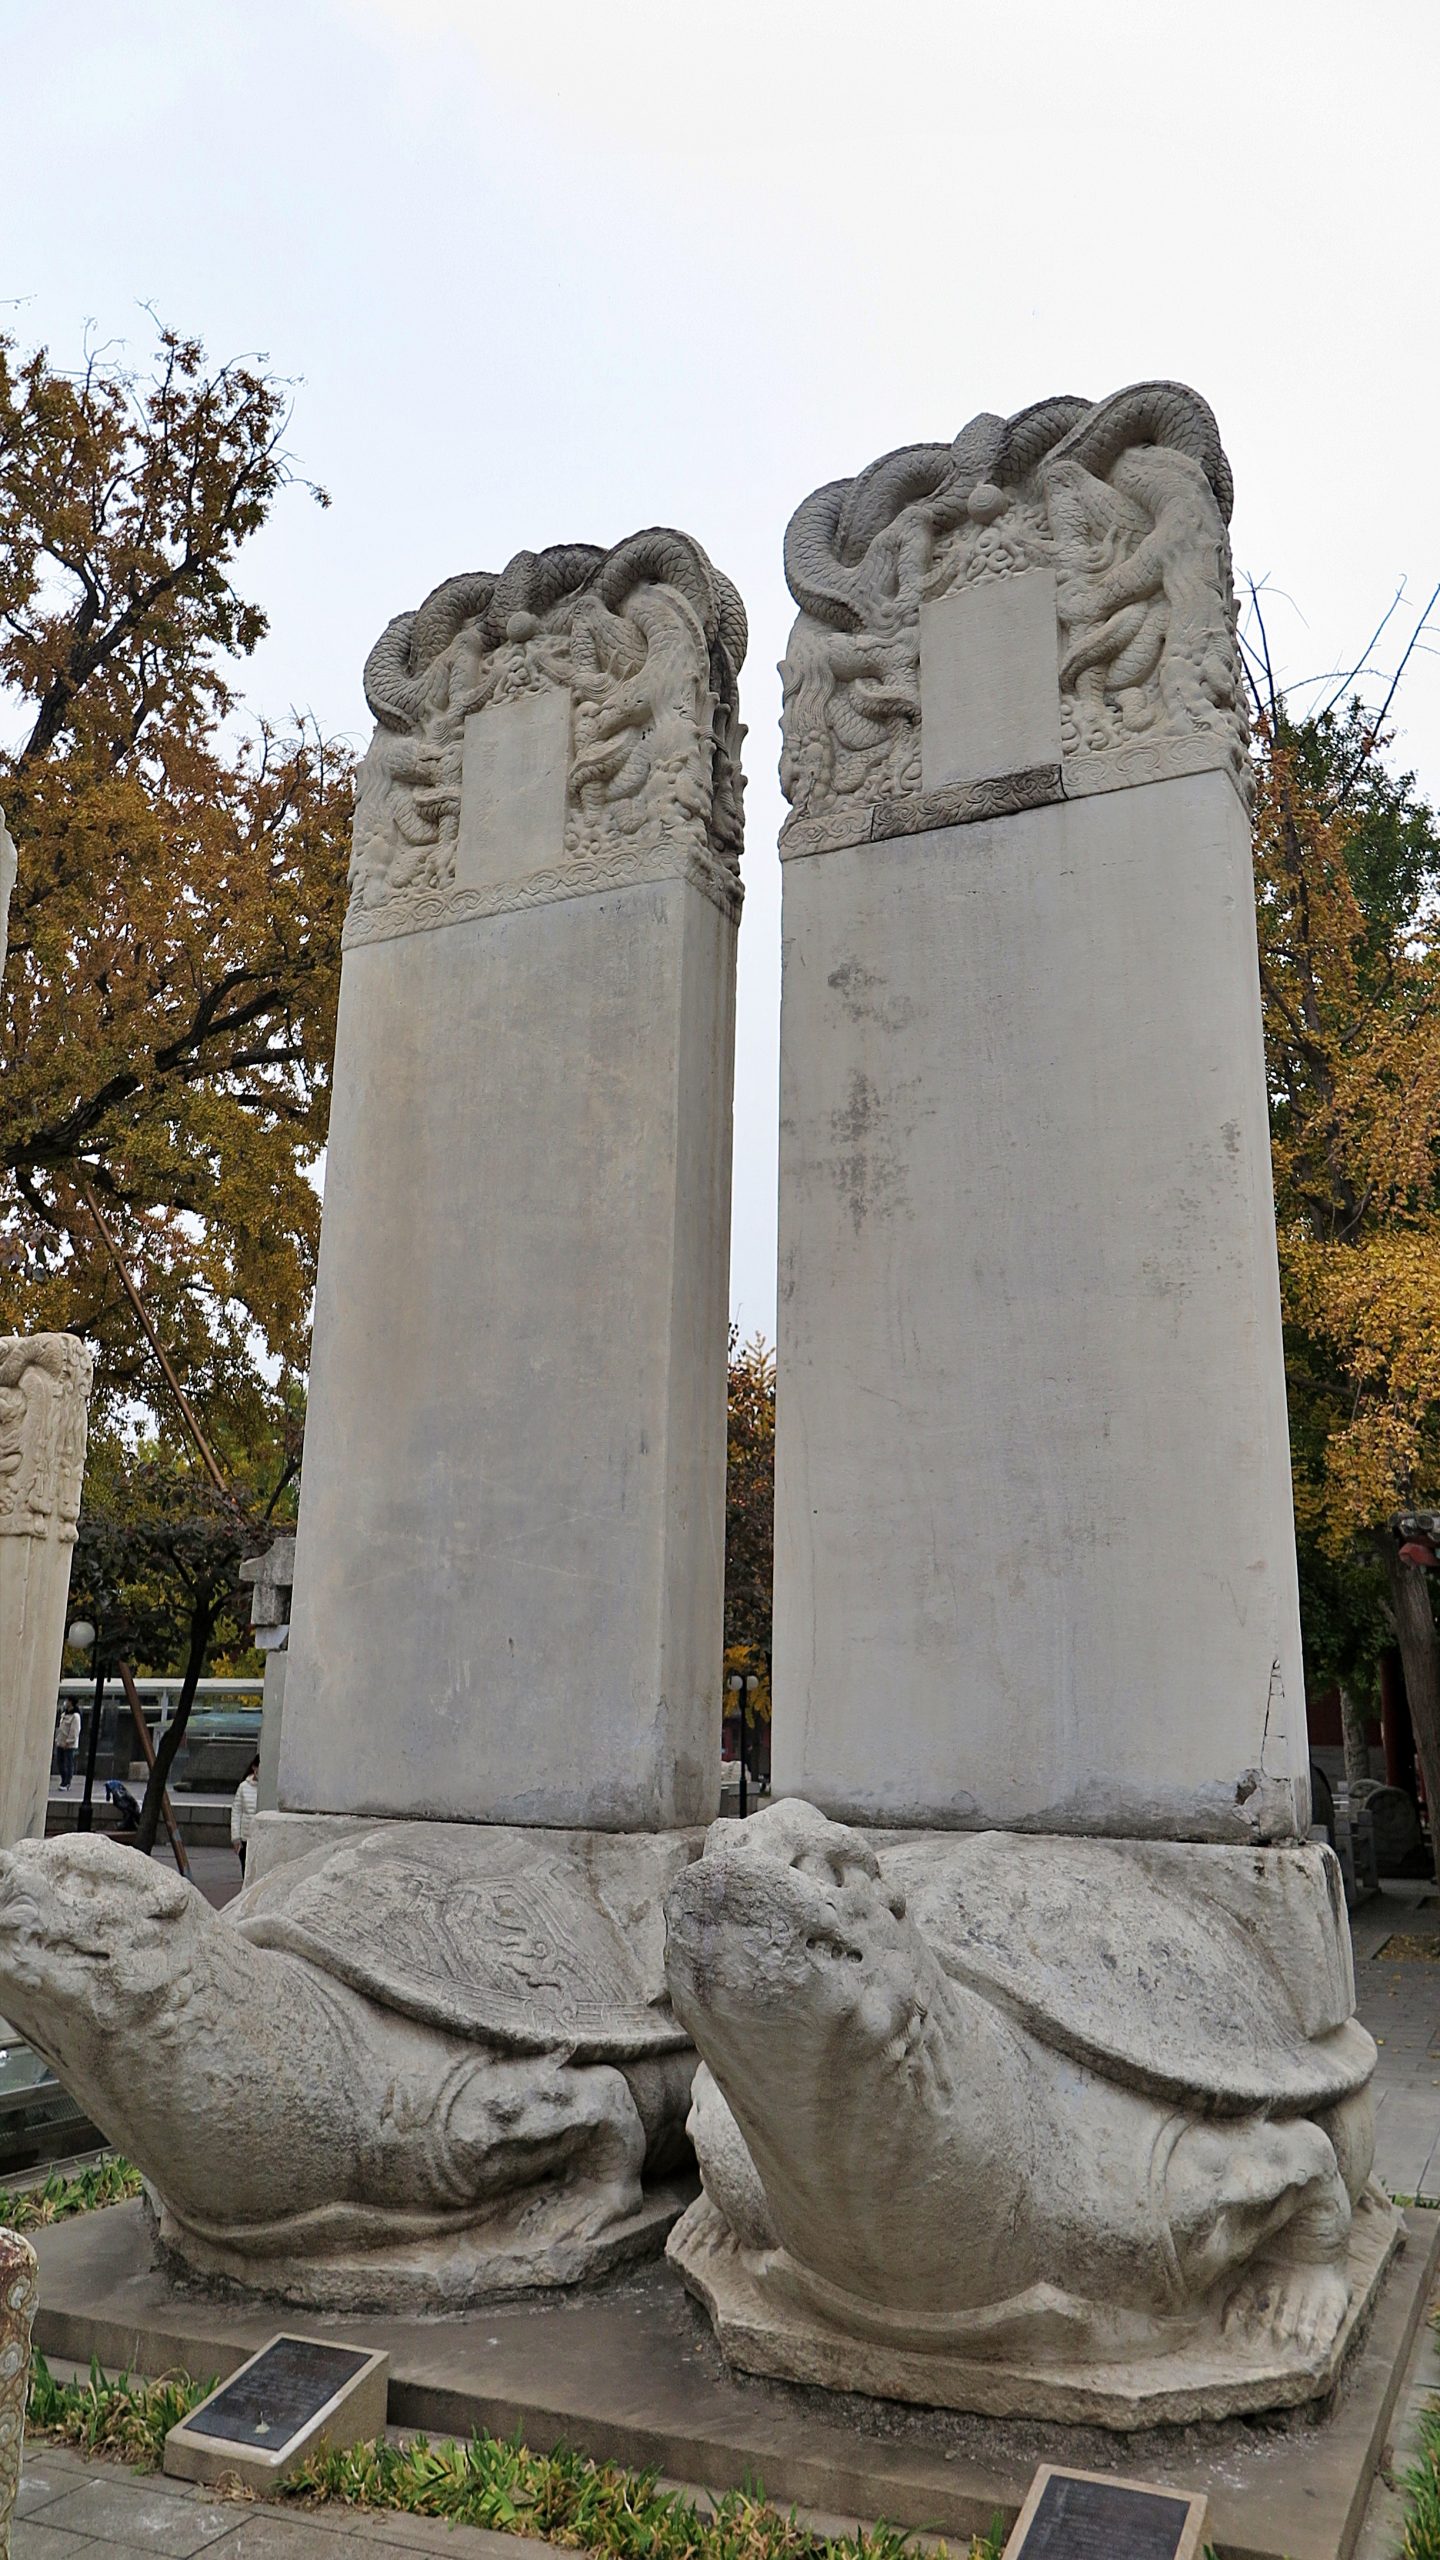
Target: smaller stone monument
{"points": [[19, 2300], [44, 1389], [272, 1580]]}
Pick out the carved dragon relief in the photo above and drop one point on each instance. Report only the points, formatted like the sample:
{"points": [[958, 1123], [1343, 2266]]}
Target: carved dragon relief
{"points": [[648, 639], [44, 1389], [1126, 500]]}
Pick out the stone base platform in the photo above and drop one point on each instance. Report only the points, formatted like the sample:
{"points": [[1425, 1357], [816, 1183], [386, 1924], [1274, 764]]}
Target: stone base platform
{"points": [[628, 2372], [1208, 2377]]}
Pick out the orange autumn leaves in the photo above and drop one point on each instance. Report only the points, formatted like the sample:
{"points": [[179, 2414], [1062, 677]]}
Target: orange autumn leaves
{"points": [[169, 996], [1347, 862]]}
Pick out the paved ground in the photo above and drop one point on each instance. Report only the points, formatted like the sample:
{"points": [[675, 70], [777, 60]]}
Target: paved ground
{"points": [[71, 2509], [1398, 1998]]}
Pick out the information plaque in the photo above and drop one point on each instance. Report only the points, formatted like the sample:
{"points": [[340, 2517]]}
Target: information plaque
{"points": [[1089, 2515], [266, 2419]]}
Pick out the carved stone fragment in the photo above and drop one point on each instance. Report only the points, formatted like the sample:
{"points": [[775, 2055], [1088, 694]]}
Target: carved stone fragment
{"points": [[19, 2301], [1027, 2126], [44, 1388]]}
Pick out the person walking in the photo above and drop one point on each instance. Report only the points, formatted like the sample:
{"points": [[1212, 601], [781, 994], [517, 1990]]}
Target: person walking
{"points": [[242, 1811], [67, 1743]]}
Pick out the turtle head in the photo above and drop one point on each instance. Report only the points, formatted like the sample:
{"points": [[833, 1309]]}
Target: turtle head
{"points": [[93, 1943], [785, 1928]]}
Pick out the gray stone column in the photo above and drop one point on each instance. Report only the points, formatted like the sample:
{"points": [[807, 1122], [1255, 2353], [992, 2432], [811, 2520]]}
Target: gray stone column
{"points": [[508, 1581], [1035, 1553], [44, 1388]]}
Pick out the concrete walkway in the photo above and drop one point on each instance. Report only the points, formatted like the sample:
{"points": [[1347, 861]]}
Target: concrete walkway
{"points": [[72, 2509], [1397, 1995]]}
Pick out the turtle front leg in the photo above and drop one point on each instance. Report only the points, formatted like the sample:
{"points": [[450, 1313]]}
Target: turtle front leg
{"points": [[513, 2123], [1264, 2205]]}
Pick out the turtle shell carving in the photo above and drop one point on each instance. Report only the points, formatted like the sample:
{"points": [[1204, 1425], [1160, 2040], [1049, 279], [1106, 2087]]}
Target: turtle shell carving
{"points": [[1165, 1992], [534, 1942]]}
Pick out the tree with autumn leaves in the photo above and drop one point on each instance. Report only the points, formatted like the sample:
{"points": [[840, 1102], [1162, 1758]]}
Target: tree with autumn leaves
{"points": [[169, 993], [1347, 869]]}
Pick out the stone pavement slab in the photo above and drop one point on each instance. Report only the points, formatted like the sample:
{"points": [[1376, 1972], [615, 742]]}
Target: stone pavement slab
{"points": [[73, 2508], [1398, 1998], [627, 2372]]}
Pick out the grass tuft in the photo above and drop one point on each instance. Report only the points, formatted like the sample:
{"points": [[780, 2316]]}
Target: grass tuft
{"points": [[111, 2181], [1421, 2484], [557, 2497], [126, 2419]]}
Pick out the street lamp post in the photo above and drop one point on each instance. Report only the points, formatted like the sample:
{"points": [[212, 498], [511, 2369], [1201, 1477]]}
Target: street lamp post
{"points": [[82, 1635]]}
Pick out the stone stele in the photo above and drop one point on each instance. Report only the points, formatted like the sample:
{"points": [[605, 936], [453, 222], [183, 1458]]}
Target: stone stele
{"points": [[1060, 2107], [1035, 1559], [1072, 2129], [44, 1389], [508, 1577]]}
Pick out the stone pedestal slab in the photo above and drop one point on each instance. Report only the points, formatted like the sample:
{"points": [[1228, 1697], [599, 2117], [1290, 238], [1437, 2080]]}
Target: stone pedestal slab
{"points": [[763, 2329], [44, 1389]]}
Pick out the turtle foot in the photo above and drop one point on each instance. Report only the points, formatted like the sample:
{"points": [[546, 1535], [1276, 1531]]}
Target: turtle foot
{"points": [[1289, 2306]]}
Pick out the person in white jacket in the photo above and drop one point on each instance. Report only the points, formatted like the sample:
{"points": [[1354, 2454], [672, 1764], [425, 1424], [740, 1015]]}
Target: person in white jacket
{"points": [[242, 1811]]}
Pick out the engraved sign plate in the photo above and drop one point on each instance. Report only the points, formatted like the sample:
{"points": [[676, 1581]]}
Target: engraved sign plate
{"points": [[276, 2408], [278, 2395], [1083, 2515]]}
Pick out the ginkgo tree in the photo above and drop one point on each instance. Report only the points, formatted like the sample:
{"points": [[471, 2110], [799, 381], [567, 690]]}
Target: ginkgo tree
{"points": [[1347, 867], [169, 996]]}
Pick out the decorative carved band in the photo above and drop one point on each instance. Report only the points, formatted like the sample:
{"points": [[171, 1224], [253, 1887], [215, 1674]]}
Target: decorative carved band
{"points": [[967, 804], [44, 1388], [425, 910]]}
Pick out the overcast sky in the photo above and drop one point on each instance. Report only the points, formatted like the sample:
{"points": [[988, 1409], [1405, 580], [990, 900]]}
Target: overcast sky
{"points": [[556, 270]]}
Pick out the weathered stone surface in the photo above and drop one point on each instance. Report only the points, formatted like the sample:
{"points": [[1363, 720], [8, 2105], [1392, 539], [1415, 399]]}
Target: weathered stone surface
{"points": [[511, 1532], [1126, 2173], [44, 1388], [415, 2063], [1034, 1543]]}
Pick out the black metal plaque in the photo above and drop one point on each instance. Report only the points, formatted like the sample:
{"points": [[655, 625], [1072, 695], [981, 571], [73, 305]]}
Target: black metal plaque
{"points": [[1103, 2520], [278, 2395]]}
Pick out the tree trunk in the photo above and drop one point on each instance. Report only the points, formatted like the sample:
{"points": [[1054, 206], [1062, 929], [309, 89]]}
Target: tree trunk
{"points": [[1357, 1749], [201, 1626], [1419, 1641]]}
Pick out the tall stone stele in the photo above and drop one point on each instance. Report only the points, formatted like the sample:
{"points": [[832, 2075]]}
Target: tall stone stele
{"points": [[44, 1391], [1035, 1574], [508, 1579], [430, 2054]]}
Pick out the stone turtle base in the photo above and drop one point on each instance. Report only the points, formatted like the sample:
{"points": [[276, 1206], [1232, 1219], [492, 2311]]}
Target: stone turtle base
{"points": [[627, 2371], [526, 2250], [1211, 2376]]}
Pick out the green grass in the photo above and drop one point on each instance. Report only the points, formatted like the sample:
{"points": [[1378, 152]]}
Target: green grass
{"points": [[111, 2181], [125, 2419], [1421, 2484], [556, 2497]]}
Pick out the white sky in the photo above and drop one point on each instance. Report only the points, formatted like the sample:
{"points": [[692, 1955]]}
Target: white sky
{"points": [[555, 270]]}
